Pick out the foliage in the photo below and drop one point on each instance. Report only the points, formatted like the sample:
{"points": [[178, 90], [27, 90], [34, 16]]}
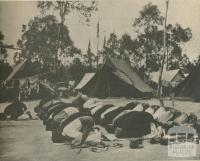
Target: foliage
{"points": [[176, 36], [5, 70], [145, 51], [65, 7], [5, 67], [46, 39], [112, 45], [148, 27], [149, 19], [198, 60], [90, 57], [40, 41], [75, 71], [3, 51]]}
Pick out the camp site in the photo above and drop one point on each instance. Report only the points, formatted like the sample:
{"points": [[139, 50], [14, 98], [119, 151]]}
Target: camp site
{"points": [[99, 80]]}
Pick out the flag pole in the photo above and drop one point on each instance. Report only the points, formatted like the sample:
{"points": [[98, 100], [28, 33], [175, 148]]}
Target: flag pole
{"points": [[98, 43], [164, 55]]}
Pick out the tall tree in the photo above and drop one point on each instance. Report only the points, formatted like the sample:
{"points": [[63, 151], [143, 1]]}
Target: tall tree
{"points": [[112, 46], [123, 48], [90, 56], [127, 47], [148, 34], [197, 61], [149, 30], [3, 51], [5, 67], [104, 42], [39, 40], [63, 8]]}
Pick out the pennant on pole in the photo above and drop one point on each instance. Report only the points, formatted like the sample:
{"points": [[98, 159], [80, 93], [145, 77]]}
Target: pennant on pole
{"points": [[104, 42], [98, 29], [89, 47]]}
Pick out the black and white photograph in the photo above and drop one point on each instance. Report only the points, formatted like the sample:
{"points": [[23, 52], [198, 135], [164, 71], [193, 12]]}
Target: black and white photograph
{"points": [[103, 80]]}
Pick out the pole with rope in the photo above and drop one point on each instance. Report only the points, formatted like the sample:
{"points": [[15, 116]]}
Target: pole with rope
{"points": [[164, 56], [97, 43], [10, 47]]}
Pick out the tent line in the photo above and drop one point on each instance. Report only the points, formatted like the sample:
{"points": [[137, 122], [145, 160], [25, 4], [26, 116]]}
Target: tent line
{"points": [[40, 74]]}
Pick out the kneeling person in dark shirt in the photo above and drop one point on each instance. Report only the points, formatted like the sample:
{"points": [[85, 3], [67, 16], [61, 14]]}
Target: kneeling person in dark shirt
{"points": [[134, 124], [14, 110]]}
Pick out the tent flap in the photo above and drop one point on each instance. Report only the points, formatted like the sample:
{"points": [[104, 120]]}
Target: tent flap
{"points": [[16, 69], [86, 78], [190, 87]]}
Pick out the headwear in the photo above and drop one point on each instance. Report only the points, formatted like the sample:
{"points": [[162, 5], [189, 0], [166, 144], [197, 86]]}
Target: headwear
{"points": [[84, 97], [118, 132]]}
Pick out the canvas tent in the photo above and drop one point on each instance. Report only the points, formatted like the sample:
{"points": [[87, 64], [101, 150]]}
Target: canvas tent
{"points": [[86, 78], [24, 69], [169, 78], [186, 74], [19, 67], [45, 89], [115, 78], [190, 87], [24, 79]]}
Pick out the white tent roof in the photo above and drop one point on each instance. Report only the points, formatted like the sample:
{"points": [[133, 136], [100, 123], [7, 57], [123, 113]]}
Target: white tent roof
{"points": [[86, 78], [166, 76]]}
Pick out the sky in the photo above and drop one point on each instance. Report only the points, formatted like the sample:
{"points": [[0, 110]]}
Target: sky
{"points": [[113, 15]]}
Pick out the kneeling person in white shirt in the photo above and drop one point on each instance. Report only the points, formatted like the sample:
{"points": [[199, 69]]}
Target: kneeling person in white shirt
{"points": [[79, 129]]}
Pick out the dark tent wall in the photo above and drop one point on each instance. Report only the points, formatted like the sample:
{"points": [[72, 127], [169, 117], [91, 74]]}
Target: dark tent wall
{"points": [[26, 69], [5, 70], [123, 70], [115, 79], [190, 87], [29, 69], [106, 84]]}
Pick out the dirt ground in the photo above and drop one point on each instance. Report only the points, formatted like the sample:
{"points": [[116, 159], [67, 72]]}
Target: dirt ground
{"points": [[28, 141]]}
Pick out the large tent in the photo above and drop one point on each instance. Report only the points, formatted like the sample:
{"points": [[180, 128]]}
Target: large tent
{"points": [[25, 78], [169, 77], [26, 68], [115, 78], [190, 87]]}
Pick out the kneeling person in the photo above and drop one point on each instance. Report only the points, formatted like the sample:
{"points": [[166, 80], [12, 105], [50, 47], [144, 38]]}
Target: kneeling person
{"points": [[71, 124], [14, 110], [78, 130], [133, 124]]}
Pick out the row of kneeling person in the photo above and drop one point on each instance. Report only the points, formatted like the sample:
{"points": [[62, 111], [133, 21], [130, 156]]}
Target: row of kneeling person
{"points": [[135, 119], [67, 121], [75, 120]]}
